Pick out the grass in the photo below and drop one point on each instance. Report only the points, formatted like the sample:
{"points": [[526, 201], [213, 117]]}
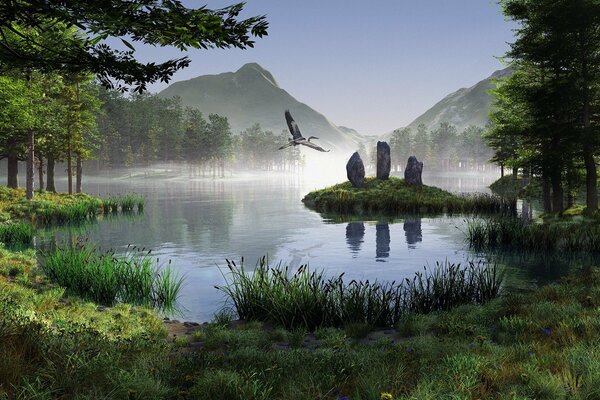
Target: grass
{"points": [[513, 233], [541, 344], [537, 345], [395, 196], [308, 299], [16, 233], [135, 278], [125, 203], [61, 208], [53, 346]]}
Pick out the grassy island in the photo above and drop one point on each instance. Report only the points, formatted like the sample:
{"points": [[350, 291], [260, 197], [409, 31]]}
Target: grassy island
{"points": [[394, 195]]}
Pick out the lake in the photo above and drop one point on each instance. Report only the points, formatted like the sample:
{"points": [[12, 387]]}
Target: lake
{"points": [[199, 223]]}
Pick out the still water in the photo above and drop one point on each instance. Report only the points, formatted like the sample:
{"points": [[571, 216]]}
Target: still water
{"points": [[198, 223]]}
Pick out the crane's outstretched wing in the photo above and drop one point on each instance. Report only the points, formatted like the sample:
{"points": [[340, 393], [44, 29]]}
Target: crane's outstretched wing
{"points": [[314, 146], [286, 145], [292, 125]]}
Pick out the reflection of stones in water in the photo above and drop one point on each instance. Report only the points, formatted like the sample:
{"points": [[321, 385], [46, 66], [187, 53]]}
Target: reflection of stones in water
{"points": [[412, 230], [355, 233], [382, 241]]}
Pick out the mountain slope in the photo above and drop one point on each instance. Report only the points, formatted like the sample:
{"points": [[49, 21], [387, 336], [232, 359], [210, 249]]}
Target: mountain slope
{"points": [[467, 106], [251, 95]]}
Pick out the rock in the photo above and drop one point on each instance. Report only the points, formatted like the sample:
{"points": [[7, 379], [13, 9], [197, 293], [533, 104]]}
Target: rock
{"points": [[356, 170], [384, 161], [413, 171]]}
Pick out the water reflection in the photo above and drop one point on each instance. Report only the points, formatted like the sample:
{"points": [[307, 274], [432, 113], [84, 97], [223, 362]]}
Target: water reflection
{"points": [[413, 232], [355, 234], [382, 241]]}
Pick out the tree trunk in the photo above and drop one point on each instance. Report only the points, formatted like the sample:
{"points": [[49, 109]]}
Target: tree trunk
{"points": [[69, 171], [515, 172], [79, 169], [13, 171], [591, 176], [30, 166], [546, 194], [557, 193], [41, 172], [50, 175], [501, 170]]}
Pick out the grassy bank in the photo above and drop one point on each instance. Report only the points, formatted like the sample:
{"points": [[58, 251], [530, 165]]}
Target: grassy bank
{"points": [[537, 345], [307, 299], [49, 207], [395, 196], [54, 346]]}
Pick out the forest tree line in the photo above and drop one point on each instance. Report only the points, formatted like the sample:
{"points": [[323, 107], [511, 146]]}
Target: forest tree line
{"points": [[546, 116]]}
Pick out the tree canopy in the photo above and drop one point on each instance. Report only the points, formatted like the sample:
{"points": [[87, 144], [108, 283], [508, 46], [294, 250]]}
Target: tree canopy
{"points": [[35, 34]]}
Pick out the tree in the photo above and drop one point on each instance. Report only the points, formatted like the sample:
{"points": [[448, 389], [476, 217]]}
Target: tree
{"points": [[401, 146], [151, 22], [54, 35], [559, 40]]}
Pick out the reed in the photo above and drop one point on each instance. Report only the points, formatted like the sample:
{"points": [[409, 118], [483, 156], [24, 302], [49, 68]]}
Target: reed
{"points": [[16, 233], [514, 233], [308, 299], [124, 203], [135, 277]]}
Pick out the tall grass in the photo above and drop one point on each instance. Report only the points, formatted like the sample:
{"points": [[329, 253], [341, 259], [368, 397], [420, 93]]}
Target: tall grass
{"points": [[16, 233], [308, 299], [125, 203], [514, 233], [135, 277]]}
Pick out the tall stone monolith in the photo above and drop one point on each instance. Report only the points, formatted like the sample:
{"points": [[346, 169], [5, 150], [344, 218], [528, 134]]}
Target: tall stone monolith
{"points": [[356, 170], [413, 171], [384, 160]]}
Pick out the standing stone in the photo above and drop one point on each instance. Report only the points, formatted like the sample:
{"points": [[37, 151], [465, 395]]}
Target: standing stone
{"points": [[384, 161], [356, 170], [413, 171]]}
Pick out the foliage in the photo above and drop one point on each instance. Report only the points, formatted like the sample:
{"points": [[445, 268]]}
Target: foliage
{"points": [[509, 233], [308, 299], [135, 277], [16, 233], [157, 23], [396, 196]]}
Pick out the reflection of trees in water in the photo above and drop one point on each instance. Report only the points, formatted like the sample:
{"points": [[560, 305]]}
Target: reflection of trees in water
{"points": [[355, 234], [413, 232], [382, 241], [540, 268]]}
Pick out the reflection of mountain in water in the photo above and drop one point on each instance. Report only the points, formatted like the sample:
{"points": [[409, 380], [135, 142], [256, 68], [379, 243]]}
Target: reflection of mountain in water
{"points": [[382, 241], [412, 230], [355, 233]]}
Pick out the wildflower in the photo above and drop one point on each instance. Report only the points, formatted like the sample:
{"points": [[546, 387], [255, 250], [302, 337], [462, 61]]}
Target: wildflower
{"points": [[386, 396], [547, 331]]}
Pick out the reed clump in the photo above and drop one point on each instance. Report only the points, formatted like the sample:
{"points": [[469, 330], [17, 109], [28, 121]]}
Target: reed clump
{"points": [[105, 278], [16, 233], [309, 299], [125, 203], [515, 233], [395, 196]]}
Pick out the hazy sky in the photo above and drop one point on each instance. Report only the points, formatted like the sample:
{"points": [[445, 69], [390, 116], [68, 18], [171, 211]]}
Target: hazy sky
{"points": [[372, 66]]}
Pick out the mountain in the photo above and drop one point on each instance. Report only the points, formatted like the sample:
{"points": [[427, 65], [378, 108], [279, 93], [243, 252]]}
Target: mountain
{"points": [[252, 95], [467, 106]]}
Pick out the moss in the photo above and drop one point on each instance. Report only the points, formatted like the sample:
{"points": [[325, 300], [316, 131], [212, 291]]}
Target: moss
{"points": [[394, 196]]}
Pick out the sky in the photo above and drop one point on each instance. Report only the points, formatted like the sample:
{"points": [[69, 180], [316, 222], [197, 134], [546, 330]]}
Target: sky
{"points": [[373, 66]]}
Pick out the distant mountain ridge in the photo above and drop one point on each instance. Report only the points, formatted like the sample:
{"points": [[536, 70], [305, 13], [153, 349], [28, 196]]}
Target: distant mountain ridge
{"points": [[466, 106], [252, 95]]}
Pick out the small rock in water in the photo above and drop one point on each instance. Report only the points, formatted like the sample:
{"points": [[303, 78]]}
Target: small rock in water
{"points": [[384, 160], [355, 170], [101, 308], [413, 171], [189, 324]]}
